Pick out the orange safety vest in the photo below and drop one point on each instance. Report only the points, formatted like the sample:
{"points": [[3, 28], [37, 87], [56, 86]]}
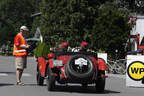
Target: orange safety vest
{"points": [[20, 51]]}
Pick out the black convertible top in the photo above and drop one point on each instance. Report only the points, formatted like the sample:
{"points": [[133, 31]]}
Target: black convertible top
{"points": [[56, 54]]}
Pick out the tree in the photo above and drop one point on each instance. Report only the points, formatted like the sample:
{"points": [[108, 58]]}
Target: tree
{"points": [[103, 25], [111, 29], [5, 29], [99, 23], [69, 20], [16, 13], [136, 6]]}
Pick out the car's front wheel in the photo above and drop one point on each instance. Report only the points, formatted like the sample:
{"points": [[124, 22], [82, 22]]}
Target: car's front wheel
{"points": [[50, 80], [40, 79]]}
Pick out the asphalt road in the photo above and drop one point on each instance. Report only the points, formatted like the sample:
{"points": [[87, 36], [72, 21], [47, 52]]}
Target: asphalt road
{"points": [[115, 84]]}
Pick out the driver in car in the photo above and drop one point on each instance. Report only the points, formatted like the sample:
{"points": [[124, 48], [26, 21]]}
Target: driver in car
{"points": [[64, 46]]}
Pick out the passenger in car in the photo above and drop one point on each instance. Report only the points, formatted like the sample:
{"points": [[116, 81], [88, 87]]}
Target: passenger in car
{"points": [[83, 46]]}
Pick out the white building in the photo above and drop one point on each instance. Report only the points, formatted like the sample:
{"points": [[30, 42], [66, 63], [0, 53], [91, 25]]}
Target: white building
{"points": [[137, 29]]}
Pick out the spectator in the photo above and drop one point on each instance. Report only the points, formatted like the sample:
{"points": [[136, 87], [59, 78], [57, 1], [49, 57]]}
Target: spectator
{"points": [[3, 49]]}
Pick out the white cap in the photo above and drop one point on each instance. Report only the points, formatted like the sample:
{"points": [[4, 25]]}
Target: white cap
{"points": [[24, 28]]}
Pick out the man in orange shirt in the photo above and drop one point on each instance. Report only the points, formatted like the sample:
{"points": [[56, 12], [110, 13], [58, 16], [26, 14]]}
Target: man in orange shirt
{"points": [[20, 53]]}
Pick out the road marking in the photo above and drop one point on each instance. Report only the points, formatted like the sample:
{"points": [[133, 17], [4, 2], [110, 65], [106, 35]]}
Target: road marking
{"points": [[7, 74], [27, 74], [3, 74]]}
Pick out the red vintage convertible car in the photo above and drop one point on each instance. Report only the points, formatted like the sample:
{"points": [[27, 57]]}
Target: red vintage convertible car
{"points": [[71, 67]]}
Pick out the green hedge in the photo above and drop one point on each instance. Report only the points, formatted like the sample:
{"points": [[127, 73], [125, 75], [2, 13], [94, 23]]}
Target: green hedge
{"points": [[41, 50]]}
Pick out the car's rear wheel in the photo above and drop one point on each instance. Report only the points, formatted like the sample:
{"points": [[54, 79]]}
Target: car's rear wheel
{"points": [[100, 83], [40, 79], [50, 80]]}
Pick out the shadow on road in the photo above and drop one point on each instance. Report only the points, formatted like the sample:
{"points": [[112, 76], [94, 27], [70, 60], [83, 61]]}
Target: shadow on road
{"points": [[6, 84], [13, 73], [30, 84], [80, 89]]}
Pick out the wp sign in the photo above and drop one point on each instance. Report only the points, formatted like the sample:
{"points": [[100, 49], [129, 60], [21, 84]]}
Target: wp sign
{"points": [[135, 71]]}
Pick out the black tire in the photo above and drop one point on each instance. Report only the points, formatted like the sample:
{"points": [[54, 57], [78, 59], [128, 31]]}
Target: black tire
{"points": [[100, 84], [40, 79], [50, 80], [86, 70]]}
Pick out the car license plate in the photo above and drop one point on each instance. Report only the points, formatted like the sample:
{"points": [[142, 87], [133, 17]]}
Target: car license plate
{"points": [[57, 63]]}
